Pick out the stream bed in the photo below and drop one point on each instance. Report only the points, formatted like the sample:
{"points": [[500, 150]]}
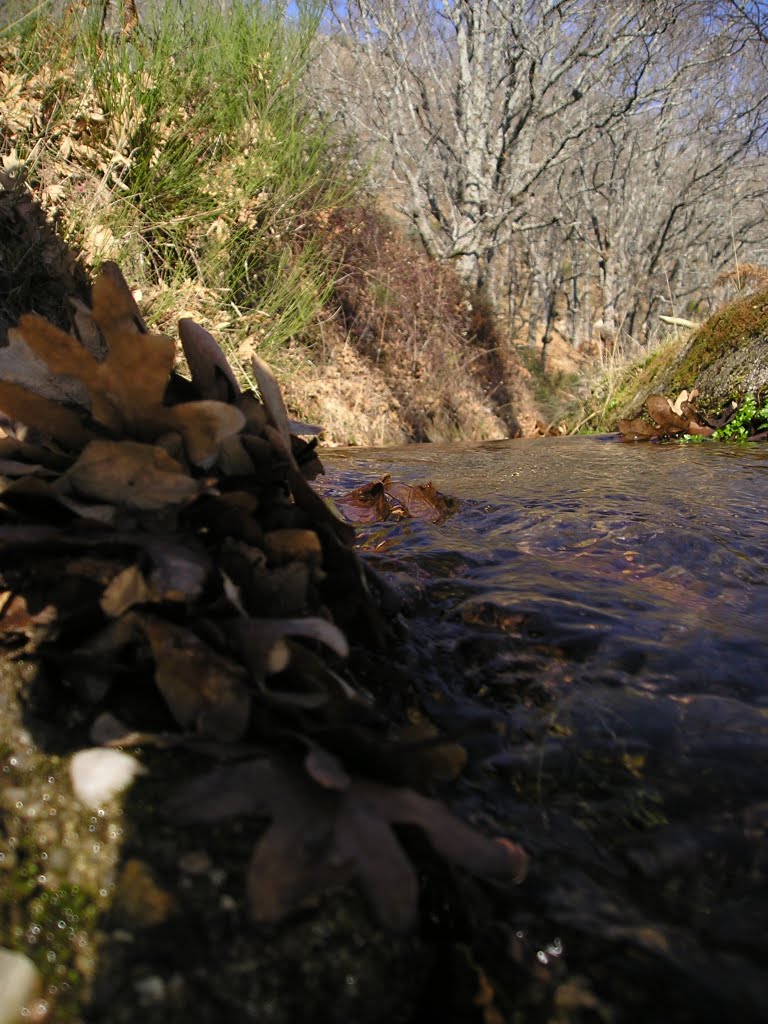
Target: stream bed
{"points": [[594, 622]]}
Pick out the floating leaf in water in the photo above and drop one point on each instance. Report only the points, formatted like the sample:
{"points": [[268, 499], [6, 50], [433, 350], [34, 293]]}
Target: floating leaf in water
{"points": [[366, 504], [385, 498], [422, 501]]}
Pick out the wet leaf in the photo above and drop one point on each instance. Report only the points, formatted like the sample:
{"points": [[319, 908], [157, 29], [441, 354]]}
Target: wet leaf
{"points": [[319, 836], [661, 411], [380, 499], [638, 430], [366, 504], [422, 501]]}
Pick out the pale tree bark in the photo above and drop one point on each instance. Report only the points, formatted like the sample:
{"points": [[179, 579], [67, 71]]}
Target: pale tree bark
{"points": [[475, 102]]}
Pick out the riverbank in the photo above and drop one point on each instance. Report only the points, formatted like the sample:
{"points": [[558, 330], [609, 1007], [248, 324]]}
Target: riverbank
{"points": [[265, 238]]}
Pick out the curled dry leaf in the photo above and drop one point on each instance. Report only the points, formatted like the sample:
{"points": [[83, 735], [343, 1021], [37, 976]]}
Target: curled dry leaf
{"points": [[211, 373], [320, 835], [203, 425]]}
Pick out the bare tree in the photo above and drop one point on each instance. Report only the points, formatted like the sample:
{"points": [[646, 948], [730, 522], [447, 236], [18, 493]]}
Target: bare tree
{"points": [[475, 102]]}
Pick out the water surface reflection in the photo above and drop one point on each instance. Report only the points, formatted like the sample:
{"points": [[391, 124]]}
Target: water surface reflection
{"points": [[607, 605]]}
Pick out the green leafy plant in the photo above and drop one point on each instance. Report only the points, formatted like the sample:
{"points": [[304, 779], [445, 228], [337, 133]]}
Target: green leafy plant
{"points": [[751, 418]]}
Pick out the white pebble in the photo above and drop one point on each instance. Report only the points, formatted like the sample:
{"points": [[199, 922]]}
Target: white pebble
{"points": [[99, 774], [20, 983]]}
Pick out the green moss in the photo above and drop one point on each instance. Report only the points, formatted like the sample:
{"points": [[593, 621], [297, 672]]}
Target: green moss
{"points": [[727, 331]]}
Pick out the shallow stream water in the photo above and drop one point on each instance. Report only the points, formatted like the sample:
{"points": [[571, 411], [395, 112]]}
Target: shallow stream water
{"points": [[606, 607]]}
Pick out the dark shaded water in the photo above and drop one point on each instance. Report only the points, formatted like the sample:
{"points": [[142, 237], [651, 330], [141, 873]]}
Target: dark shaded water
{"points": [[607, 606]]}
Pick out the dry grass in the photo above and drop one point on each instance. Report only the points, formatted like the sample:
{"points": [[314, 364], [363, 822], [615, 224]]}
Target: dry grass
{"points": [[184, 153]]}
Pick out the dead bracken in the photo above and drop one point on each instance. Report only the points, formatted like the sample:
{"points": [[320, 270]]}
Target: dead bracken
{"points": [[166, 560]]}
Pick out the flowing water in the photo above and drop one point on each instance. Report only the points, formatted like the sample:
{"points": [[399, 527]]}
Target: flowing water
{"points": [[605, 608]]}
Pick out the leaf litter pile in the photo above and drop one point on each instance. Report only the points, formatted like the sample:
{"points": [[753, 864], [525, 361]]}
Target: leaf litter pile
{"points": [[163, 553]]}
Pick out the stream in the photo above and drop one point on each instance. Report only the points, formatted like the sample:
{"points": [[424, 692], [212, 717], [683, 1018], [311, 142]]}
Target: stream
{"points": [[596, 621]]}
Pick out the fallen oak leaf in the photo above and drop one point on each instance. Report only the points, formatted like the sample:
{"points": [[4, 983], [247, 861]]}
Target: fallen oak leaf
{"points": [[204, 426], [14, 469], [380, 499], [264, 648], [24, 451], [117, 391], [660, 410], [422, 501], [365, 504], [63, 425], [638, 429], [112, 302], [694, 427], [178, 573], [203, 689], [272, 398], [319, 836], [212, 375], [42, 359], [132, 475]]}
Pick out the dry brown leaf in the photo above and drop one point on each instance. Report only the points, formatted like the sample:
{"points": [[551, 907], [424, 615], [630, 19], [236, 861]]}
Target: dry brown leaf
{"points": [[127, 589], [118, 391], [204, 690], [272, 398], [211, 373], [292, 545], [62, 425], [112, 302], [204, 425], [661, 411], [131, 475]]}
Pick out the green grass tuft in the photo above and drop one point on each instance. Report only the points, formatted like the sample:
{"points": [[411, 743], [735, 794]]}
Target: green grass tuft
{"points": [[183, 151]]}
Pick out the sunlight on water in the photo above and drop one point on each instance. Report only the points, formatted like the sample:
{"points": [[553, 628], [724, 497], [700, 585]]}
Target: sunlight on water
{"points": [[649, 559]]}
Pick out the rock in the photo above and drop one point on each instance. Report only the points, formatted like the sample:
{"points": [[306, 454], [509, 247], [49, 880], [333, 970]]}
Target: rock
{"points": [[726, 359], [20, 983]]}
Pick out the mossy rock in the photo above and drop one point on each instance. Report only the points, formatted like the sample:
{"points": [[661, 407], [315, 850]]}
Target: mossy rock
{"points": [[726, 359]]}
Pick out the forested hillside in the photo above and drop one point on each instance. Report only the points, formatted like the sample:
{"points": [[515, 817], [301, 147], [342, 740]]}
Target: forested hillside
{"points": [[587, 163]]}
